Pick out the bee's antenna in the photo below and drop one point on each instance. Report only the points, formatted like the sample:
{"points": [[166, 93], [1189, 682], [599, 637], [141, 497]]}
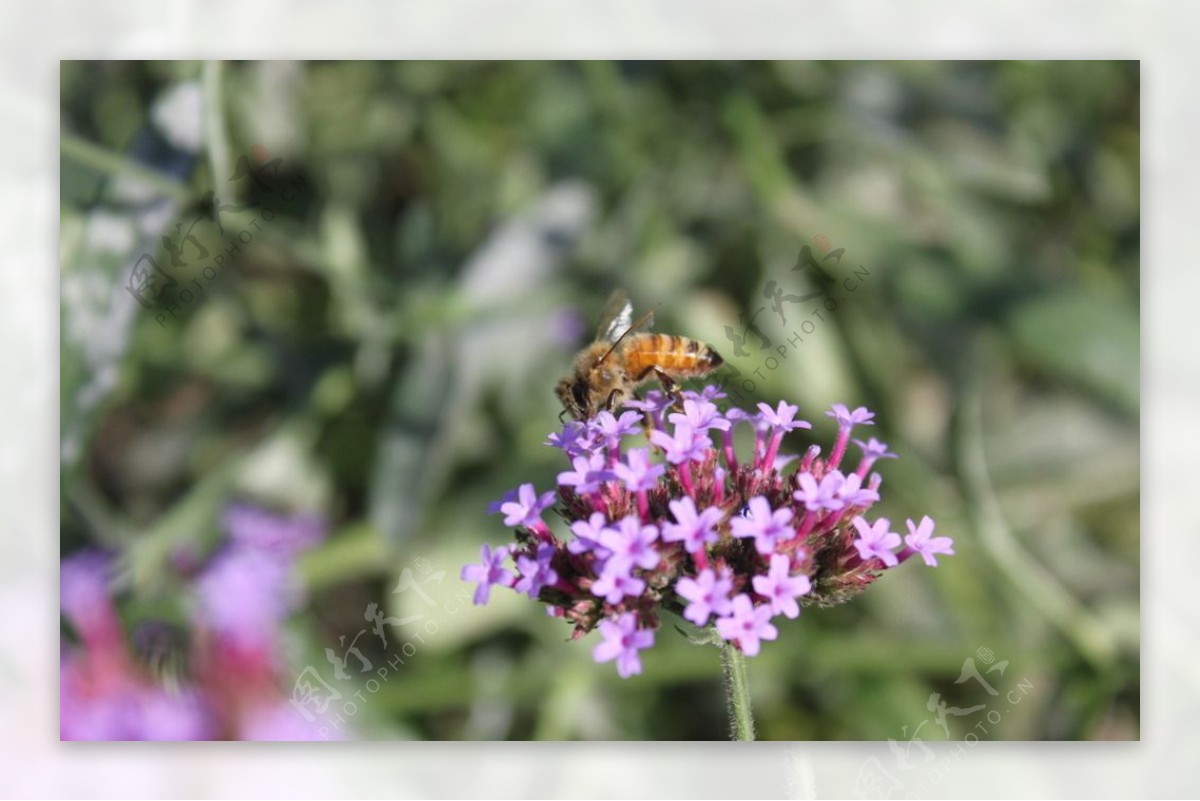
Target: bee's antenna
{"points": [[633, 327]]}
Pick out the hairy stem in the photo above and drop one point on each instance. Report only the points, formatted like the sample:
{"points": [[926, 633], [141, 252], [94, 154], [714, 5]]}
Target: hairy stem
{"points": [[737, 690]]}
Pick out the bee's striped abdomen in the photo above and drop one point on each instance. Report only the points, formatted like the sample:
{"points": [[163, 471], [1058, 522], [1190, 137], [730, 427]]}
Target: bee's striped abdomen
{"points": [[677, 356]]}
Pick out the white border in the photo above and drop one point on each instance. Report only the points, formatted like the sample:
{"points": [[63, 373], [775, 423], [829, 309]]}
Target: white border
{"points": [[37, 35]]}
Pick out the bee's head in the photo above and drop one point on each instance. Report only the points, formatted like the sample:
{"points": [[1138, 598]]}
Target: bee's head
{"points": [[575, 397]]}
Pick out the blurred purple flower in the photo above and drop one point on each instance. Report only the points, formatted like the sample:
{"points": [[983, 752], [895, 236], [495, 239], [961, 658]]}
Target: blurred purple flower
{"points": [[93, 706], [279, 721], [567, 325], [243, 596], [862, 416], [85, 599], [178, 715], [253, 527], [874, 449]]}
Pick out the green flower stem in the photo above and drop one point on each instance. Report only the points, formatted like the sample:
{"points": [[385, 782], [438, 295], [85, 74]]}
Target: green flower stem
{"points": [[737, 690]]}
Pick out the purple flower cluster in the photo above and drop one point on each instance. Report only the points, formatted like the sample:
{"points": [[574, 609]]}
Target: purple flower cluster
{"points": [[682, 524], [231, 684]]}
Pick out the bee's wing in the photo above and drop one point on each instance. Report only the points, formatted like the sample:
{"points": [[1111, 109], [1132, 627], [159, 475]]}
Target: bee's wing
{"points": [[617, 317]]}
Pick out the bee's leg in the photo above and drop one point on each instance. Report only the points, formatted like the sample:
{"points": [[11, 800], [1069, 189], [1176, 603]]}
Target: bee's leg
{"points": [[611, 400], [669, 385], [647, 421]]}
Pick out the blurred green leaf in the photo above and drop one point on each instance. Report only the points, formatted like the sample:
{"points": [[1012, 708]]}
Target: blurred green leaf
{"points": [[1086, 338]]}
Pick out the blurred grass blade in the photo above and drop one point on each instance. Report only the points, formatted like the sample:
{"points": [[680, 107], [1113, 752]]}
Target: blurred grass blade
{"points": [[1037, 584]]}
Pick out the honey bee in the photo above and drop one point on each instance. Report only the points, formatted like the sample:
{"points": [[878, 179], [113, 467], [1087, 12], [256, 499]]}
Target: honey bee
{"points": [[624, 356]]}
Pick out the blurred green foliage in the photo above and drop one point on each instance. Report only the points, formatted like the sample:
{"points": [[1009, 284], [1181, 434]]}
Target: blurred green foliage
{"points": [[385, 348]]}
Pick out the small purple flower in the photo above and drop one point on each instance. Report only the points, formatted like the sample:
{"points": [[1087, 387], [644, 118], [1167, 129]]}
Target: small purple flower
{"points": [[782, 418], [508, 497], [746, 625], [638, 472], [919, 540], [692, 529], [654, 403], [874, 449], [615, 582], [622, 641], [824, 495], [536, 573], [632, 542], [686, 445], [707, 594], [876, 540], [576, 439], [782, 588], [710, 392], [251, 526], [526, 509], [489, 573], [862, 416], [756, 421], [853, 493], [701, 415], [588, 473], [609, 428], [587, 535], [766, 526]]}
